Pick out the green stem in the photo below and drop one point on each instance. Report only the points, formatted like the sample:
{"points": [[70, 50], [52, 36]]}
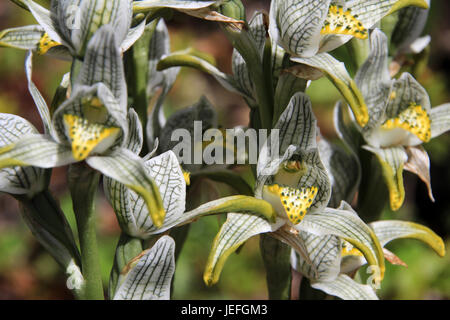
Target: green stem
{"points": [[275, 256], [373, 195], [127, 249], [359, 50], [245, 44], [83, 183]]}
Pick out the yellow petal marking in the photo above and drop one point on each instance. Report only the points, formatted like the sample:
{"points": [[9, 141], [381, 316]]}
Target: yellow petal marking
{"points": [[85, 136], [45, 44], [349, 250], [414, 119], [296, 202], [187, 177], [343, 22]]}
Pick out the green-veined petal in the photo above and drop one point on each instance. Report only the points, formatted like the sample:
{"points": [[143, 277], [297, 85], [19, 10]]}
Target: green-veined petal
{"points": [[346, 288], [389, 230], [338, 74], [149, 275], [392, 162], [234, 232]]}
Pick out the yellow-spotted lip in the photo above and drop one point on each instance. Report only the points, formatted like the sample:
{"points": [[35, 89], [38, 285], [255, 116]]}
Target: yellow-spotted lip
{"points": [[294, 202], [86, 137], [342, 22]]}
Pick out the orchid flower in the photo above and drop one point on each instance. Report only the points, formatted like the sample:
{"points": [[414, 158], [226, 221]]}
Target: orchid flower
{"points": [[93, 125], [68, 26], [333, 261], [305, 28], [298, 187], [401, 119]]}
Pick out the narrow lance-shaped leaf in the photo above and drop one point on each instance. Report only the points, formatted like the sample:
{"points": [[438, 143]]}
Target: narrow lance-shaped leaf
{"points": [[126, 167], [149, 275], [234, 232], [187, 58]]}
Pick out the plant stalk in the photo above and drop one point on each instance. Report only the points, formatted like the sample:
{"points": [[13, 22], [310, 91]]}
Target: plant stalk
{"points": [[83, 182]]}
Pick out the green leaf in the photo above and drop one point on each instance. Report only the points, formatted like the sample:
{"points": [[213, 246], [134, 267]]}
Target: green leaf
{"points": [[48, 224], [145, 5], [25, 38], [389, 230], [126, 250], [346, 288], [35, 150], [346, 224], [159, 82], [234, 232], [339, 76], [149, 275], [440, 120], [240, 71], [296, 25], [103, 63], [187, 58], [127, 168], [392, 161]]}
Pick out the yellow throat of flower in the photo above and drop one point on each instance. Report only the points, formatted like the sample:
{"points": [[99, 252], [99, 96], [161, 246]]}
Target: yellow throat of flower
{"points": [[85, 136], [414, 119], [45, 44], [343, 22], [295, 202]]}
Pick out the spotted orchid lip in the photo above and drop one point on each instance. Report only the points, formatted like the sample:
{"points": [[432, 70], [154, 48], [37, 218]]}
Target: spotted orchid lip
{"points": [[295, 202], [87, 137], [414, 119], [342, 22], [46, 43]]}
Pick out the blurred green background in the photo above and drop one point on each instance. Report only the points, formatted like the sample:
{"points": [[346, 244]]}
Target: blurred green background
{"points": [[28, 272]]}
